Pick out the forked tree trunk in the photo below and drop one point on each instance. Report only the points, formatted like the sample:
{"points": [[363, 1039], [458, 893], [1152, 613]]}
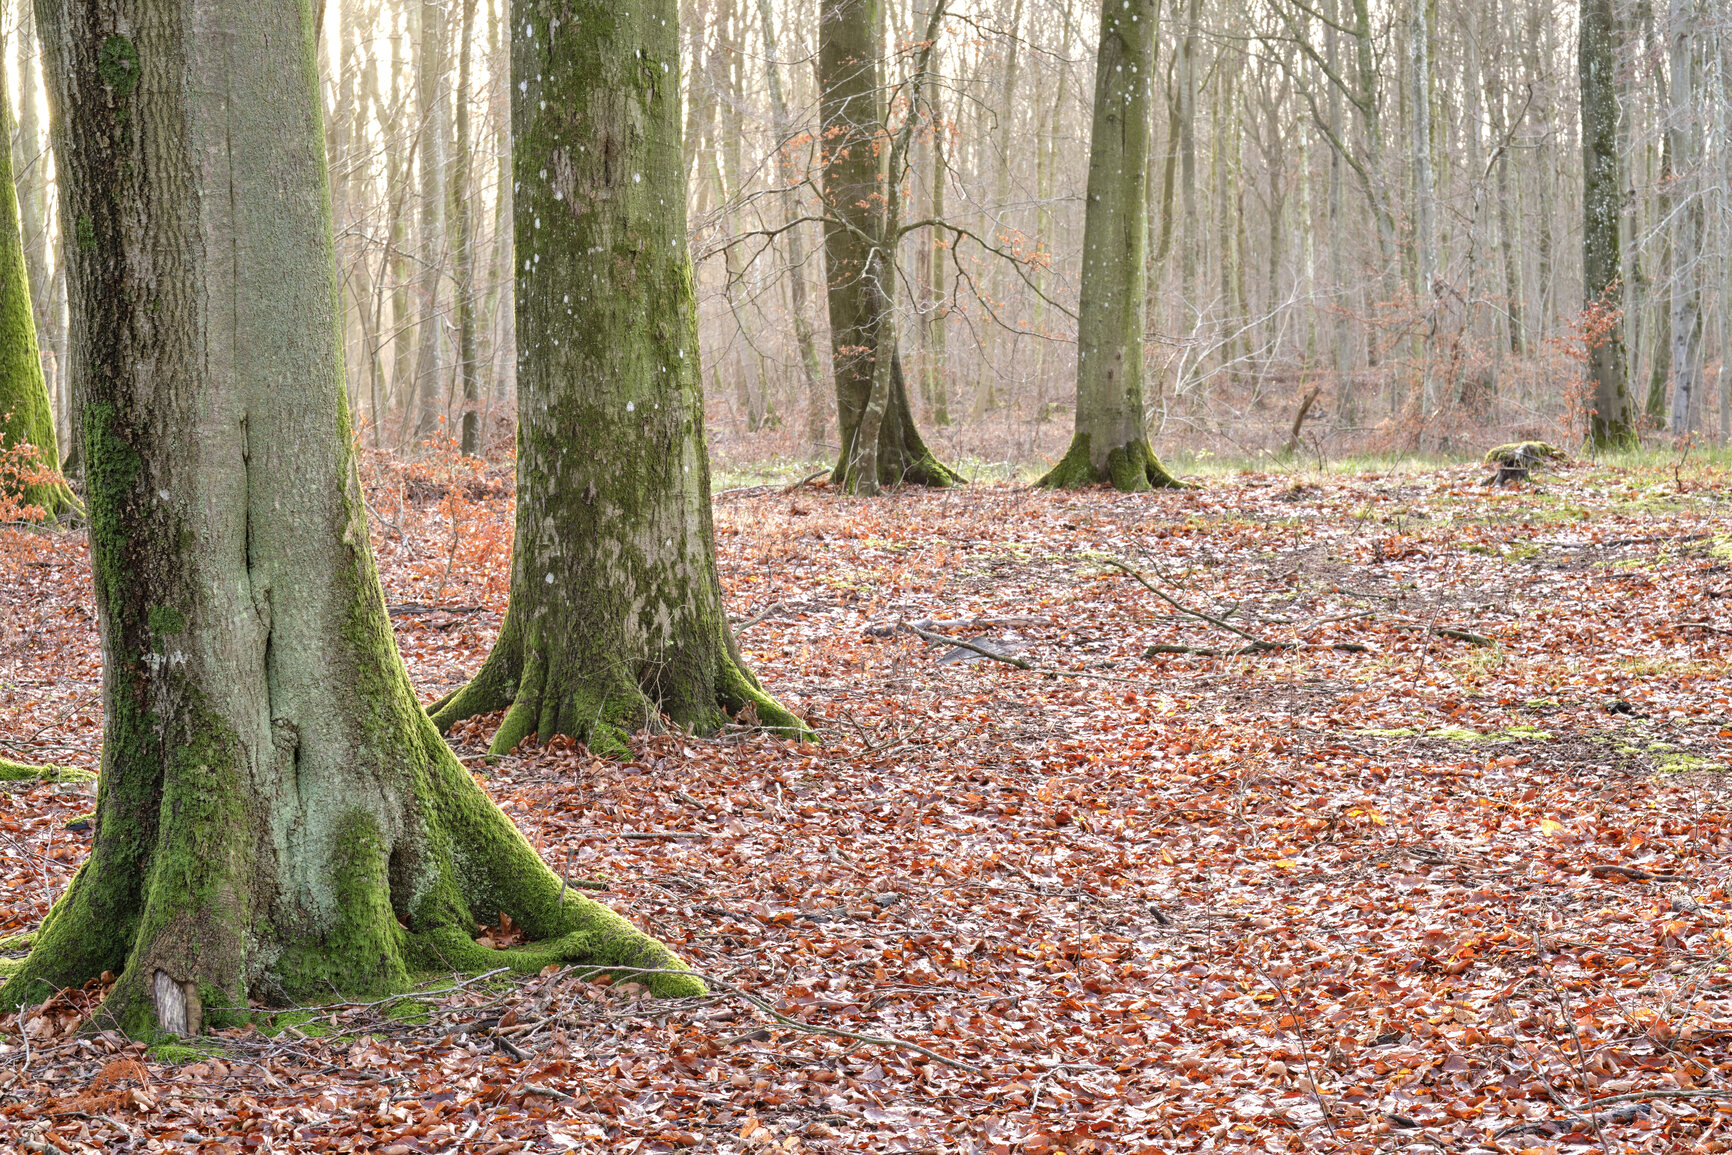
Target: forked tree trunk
{"points": [[1110, 444], [1609, 420], [880, 444], [26, 414], [275, 817], [616, 612]]}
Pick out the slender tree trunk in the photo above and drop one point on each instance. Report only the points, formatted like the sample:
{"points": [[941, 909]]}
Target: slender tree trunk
{"points": [[431, 105], [504, 314], [934, 370], [1110, 444], [616, 613], [400, 146], [26, 413], [1425, 193], [1541, 117], [276, 819], [31, 170], [1497, 90], [782, 123], [1685, 138], [463, 242], [880, 444], [1341, 348], [1602, 195]]}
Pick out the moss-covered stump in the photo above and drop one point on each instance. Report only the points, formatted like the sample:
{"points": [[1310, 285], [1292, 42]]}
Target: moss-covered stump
{"points": [[616, 616], [1131, 468], [1521, 454]]}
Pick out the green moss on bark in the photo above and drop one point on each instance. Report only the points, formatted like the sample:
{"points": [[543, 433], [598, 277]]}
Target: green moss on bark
{"points": [[1131, 468], [26, 418], [615, 616]]}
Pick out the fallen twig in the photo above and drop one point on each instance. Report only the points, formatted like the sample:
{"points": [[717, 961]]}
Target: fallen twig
{"points": [[1007, 659], [642, 835], [796, 1024], [1256, 643], [1447, 632]]}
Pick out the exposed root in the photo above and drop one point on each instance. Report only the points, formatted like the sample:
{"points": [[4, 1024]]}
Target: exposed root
{"points": [[1129, 468], [601, 707]]}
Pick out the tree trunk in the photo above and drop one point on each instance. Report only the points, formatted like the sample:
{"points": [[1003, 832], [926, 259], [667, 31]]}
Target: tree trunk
{"points": [[1424, 184], [1602, 194], [31, 170], [1497, 89], [431, 133], [880, 444], [1687, 221], [463, 241], [276, 818], [26, 413], [616, 612], [812, 372], [935, 312], [1110, 443]]}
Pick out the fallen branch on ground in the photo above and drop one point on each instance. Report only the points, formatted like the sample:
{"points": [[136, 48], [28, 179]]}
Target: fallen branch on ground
{"points": [[1447, 632], [1256, 643], [1007, 659], [795, 1024]]}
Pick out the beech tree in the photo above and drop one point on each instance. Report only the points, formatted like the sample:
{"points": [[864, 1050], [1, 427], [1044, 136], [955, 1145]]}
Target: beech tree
{"points": [[26, 416], [1110, 443], [276, 817], [1602, 199], [615, 615], [880, 443]]}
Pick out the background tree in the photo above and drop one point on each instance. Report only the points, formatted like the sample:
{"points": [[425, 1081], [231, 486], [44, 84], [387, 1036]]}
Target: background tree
{"points": [[880, 444], [1110, 443], [26, 412], [616, 612], [1602, 197], [275, 815]]}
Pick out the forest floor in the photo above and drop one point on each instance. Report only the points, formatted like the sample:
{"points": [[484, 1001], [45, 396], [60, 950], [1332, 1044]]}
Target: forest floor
{"points": [[1464, 887]]}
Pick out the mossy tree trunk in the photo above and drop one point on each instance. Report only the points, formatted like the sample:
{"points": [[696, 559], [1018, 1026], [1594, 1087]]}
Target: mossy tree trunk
{"points": [[616, 613], [880, 444], [276, 817], [1110, 443], [1609, 418], [26, 414]]}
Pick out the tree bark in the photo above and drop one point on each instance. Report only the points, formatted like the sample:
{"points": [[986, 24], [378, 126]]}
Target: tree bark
{"points": [[616, 613], [26, 413], [1687, 221], [1609, 423], [275, 818], [430, 135], [880, 444], [463, 242], [782, 123], [1110, 443], [30, 160]]}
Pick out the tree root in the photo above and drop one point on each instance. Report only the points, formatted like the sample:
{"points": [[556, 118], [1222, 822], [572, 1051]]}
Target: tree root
{"points": [[1129, 468], [602, 708]]}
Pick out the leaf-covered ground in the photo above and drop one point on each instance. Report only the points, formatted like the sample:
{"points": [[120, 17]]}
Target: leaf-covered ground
{"points": [[1446, 868]]}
